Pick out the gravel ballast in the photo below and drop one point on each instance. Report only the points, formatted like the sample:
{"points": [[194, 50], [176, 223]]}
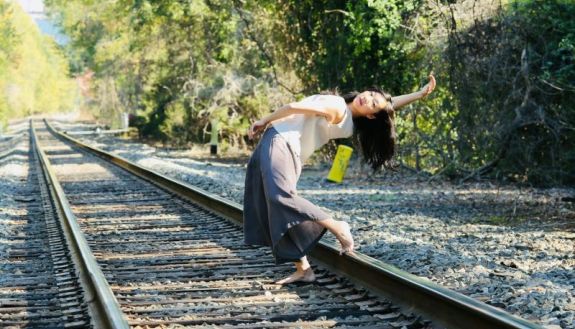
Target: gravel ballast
{"points": [[509, 246]]}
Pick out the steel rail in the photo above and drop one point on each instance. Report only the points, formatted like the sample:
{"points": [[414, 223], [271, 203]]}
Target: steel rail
{"points": [[444, 306], [103, 306]]}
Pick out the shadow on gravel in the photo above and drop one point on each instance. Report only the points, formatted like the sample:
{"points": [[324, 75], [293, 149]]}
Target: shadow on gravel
{"points": [[59, 152], [453, 208], [7, 157], [38, 265], [26, 281]]}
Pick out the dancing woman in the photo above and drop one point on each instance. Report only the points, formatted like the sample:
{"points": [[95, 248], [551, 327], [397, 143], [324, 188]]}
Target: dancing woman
{"points": [[274, 214]]}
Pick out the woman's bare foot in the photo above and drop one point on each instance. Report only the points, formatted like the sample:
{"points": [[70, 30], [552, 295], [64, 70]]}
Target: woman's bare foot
{"points": [[299, 276], [343, 235], [342, 232]]}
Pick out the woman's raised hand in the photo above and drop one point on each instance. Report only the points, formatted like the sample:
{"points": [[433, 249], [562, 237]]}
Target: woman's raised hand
{"points": [[256, 127], [428, 88]]}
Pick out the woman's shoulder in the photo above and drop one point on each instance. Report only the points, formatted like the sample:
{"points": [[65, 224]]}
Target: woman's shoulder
{"points": [[327, 97], [334, 101]]}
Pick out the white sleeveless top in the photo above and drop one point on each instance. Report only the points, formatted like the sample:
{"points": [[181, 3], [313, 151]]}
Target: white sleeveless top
{"points": [[306, 133]]}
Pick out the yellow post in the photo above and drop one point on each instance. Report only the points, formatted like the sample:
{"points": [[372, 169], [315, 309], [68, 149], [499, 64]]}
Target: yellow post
{"points": [[339, 164]]}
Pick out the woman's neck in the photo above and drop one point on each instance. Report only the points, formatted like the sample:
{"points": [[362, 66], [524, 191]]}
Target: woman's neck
{"points": [[351, 107]]}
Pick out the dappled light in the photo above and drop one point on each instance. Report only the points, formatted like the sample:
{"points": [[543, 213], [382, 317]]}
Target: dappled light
{"points": [[458, 118]]}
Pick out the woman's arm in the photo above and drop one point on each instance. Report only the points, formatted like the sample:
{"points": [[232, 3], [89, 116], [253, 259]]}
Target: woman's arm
{"points": [[331, 115], [402, 100], [296, 108]]}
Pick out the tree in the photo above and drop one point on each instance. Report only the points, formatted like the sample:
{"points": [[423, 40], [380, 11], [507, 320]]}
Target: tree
{"points": [[33, 71]]}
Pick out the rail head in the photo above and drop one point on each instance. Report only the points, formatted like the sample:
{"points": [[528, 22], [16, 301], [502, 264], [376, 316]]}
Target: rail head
{"points": [[102, 304], [446, 307]]}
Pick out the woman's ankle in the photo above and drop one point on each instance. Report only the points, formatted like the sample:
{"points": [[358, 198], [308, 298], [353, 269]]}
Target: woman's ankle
{"points": [[302, 265]]}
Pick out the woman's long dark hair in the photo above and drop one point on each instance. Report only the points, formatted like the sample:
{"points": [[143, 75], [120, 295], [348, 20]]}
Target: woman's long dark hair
{"points": [[375, 137]]}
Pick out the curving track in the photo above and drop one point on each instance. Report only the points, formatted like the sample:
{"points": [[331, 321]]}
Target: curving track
{"points": [[149, 258], [170, 262]]}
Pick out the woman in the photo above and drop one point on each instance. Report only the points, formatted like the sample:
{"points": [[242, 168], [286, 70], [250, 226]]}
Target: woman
{"points": [[274, 215]]}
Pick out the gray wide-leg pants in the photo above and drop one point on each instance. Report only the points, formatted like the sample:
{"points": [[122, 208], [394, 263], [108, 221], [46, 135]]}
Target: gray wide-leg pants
{"points": [[274, 215]]}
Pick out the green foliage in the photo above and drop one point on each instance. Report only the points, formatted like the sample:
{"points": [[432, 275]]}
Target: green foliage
{"points": [[8, 35], [349, 45], [506, 76], [175, 63], [514, 81], [7, 40], [33, 71]]}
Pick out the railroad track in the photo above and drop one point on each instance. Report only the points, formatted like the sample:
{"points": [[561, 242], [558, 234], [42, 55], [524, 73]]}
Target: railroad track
{"points": [[172, 262], [175, 256], [39, 287]]}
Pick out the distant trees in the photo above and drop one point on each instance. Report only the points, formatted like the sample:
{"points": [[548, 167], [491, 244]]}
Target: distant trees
{"points": [[7, 41], [512, 75], [503, 106], [33, 71]]}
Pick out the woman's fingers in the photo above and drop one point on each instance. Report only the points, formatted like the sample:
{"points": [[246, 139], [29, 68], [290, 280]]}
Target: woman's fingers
{"points": [[428, 88], [251, 131], [254, 129], [432, 83]]}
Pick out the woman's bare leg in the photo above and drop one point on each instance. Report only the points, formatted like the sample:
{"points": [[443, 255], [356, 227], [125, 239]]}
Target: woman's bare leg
{"points": [[303, 273], [342, 232]]}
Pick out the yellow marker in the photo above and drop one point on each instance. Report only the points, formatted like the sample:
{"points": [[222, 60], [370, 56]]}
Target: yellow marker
{"points": [[340, 163]]}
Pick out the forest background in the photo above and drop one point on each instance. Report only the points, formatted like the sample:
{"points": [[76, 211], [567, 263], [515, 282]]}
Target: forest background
{"points": [[504, 106]]}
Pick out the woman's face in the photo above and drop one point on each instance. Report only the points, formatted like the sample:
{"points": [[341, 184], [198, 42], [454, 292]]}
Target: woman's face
{"points": [[368, 103]]}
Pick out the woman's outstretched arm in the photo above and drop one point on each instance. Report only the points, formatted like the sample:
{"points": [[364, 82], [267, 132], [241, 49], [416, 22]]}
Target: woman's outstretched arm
{"points": [[331, 115], [402, 100]]}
